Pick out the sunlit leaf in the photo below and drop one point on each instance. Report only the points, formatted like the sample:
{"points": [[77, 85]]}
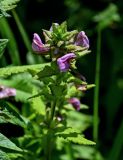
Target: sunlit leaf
{"points": [[7, 71]]}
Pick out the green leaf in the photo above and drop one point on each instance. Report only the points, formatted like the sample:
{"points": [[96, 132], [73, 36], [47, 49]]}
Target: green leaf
{"points": [[37, 103], [8, 114], [86, 152], [70, 35], [6, 143], [48, 71], [63, 27], [83, 53], [23, 83], [8, 4], [7, 71], [4, 156], [78, 120], [74, 136], [3, 43], [79, 139]]}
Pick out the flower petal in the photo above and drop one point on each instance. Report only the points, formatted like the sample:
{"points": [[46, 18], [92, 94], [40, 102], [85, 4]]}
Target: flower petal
{"points": [[64, 61], [82, 40], [75, 103], [7, 92], [37, 44]]}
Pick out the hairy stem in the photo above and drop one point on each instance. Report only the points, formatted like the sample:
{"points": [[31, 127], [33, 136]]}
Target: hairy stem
{"points": [[96, 91]]}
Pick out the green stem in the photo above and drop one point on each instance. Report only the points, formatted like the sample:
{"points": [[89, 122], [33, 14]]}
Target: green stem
{"points": [[48, 148], [49, 141], [96, 91], [52, 111]]}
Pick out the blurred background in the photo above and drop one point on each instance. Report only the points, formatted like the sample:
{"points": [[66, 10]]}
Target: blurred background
{"points": [[85, 15]]}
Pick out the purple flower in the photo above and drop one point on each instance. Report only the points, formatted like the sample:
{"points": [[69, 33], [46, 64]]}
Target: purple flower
{"points": [[82, 40], [7, 92], [64, 61], [37, 45], [75, 103]]}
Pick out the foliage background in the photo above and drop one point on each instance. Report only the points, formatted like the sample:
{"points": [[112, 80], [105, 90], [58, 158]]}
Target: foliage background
{"points": [[79, 14]]}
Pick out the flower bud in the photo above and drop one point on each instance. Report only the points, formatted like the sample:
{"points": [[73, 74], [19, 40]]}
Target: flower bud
{"points": [[54, 24], [64, 61], [82, 40], [75, 103], [38, 46]]}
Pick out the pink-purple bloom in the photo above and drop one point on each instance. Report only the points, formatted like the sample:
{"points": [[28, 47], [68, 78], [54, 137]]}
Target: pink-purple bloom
{"points": [[37, 45], [82, 40], [64, 61], [75, 103], [6, 92]]}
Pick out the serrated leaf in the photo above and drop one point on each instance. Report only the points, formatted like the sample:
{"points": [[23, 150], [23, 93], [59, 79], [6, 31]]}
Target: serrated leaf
{"points": [[3, 43], [79, 139], [7, 71], [3, 156], [62, 131], [74, 136], [6, 143]]}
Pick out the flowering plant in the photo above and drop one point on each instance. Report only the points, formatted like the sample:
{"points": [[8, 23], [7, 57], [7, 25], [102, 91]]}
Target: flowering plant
{"points": [[50, 94], [62, 84]]}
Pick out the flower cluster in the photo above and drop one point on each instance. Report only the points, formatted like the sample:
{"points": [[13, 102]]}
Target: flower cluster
{"points": [[64, 48], [61, 43]]}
